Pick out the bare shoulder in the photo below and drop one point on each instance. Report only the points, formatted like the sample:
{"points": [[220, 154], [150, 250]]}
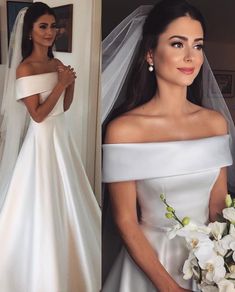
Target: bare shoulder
{"points": [[124, 129], [25, 69], [58, 62], [215, 121]]}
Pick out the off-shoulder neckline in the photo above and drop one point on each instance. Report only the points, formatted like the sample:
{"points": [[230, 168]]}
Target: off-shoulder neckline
{"points": [[36, 75], [172, 141]]}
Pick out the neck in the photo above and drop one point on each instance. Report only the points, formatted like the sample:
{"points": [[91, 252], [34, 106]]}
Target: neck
{"points": [[171, 100], [40, 54]]}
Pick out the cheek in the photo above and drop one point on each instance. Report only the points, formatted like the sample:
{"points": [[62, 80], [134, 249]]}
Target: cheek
{"points": [[166, 62], [199, 61], [166, 58]]}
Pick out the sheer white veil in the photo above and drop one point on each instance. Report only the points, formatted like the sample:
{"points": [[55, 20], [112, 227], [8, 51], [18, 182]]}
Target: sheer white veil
{"points": [[14, 114], [119, 50]]}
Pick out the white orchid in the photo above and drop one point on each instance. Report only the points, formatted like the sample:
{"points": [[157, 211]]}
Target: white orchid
{"points": [[214, 267], [189, 267], [217, 229], [232, 230], [211, 260], [225, 285], [208, 288], [172, 232], [229, 214]]}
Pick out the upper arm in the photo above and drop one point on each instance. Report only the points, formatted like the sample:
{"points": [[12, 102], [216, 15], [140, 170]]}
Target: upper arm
{"points": [[123, 195], [123, 199], [33, 101], [219, 190], [218, 193]]}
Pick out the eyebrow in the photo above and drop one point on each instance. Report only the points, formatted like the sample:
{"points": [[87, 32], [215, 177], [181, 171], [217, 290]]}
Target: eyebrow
{"points": [[46, 23], [185, 38]]}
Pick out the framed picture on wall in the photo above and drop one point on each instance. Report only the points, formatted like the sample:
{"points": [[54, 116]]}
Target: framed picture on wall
{"points": [[225, 80], [13, 9], [64, 15]]}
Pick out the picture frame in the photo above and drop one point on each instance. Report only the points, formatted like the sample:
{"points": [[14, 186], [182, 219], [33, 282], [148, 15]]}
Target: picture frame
{"points": [[225, 80], [13, 9], [64, 14]]}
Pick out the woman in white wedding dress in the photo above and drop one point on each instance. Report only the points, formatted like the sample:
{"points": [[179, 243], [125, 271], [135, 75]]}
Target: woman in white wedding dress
{"points": [[50, 220], [162, 142]]}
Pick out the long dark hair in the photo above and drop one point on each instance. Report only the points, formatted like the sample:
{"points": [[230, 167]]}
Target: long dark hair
{"points": [[142, 84], [35, 10]]}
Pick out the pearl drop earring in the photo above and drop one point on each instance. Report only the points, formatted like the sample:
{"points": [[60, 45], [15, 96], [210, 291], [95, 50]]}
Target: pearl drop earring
{"points": [[150, 67]]}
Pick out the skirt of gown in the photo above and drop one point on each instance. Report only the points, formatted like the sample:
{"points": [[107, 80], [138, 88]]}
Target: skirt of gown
{"points": [[50, 221]]}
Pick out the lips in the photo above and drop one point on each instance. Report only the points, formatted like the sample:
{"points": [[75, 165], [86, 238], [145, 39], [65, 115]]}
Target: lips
{"points": [[185, 70]]}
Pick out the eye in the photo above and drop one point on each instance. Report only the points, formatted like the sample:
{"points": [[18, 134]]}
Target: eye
{"points": [[199, 47], [43, 26], [177, 45], [54, 25]]}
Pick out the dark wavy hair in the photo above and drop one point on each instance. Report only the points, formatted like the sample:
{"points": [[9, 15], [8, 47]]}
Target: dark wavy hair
{"points": [[35, 10], [141, 85]]}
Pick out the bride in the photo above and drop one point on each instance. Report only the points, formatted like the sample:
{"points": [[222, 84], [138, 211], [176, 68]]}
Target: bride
{"points": [[49, 219], [162, 140]]}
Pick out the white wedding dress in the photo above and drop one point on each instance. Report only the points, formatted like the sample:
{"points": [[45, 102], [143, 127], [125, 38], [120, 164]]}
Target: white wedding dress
{"points": [[185, 171], [50, 220]]}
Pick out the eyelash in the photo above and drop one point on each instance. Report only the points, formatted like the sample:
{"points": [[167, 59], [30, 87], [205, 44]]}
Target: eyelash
{"points": [[179, 45], [45, 26]]}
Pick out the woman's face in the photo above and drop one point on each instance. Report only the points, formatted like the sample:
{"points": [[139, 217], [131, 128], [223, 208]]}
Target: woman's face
{"points": [[178, 56], [44, 30]]}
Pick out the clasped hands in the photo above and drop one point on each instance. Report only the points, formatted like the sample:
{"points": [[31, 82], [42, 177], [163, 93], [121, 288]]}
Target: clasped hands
{"points": [[66, 75]]}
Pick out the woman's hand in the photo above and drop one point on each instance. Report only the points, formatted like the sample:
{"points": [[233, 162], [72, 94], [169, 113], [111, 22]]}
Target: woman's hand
{"points": [[66, 75]]}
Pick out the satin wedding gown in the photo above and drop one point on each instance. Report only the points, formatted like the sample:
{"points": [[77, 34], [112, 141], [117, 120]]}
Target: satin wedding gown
{"points": [[185, 171], [50, 221]]}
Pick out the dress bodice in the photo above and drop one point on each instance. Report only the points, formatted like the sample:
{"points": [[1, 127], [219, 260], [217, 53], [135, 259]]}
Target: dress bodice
{"points": [[185, 171], [41, 84]]}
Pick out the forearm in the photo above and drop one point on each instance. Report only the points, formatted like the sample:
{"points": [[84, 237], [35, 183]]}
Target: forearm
{"points": [[145, 257], [43, 109], [68, 98]]}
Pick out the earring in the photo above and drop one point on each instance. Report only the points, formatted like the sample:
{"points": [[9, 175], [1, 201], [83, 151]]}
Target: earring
{"points": [[30, 37], [151, 68]]}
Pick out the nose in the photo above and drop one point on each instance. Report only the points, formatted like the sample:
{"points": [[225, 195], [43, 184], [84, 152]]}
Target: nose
{"points": [[188, 57], [50, 31]]}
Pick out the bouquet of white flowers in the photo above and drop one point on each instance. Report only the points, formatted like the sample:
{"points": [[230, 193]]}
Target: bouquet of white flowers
{"points": [[211, 260]]}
